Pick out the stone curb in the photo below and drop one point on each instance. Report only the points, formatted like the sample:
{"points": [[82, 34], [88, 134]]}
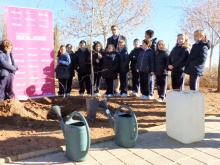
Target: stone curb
{"points": [[62, 148]]}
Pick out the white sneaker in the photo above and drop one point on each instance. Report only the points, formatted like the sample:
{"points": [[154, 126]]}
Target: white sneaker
{"points": [[136, 94], [143, 97], [118, 95], [104, 95], [159, 100], [151, 97], [110, 95], [98, 95], [132, 93], [67, 94], [124, 95], [81, 94]]}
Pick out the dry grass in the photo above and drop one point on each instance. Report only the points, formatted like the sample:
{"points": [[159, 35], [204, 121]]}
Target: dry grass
{"points": [[209, 80]]}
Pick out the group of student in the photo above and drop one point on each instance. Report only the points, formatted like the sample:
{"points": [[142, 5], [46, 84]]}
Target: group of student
{"points": [[148, 61]]}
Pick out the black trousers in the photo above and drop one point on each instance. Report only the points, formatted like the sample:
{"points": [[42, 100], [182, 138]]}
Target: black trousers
{"points": [[135, 80], [84, 80], [110, 86], [62, 86], [144, 83], [123, 83], [151, 85], [6, 87], [177, 79], [69, 84], [194, 82], [161, 85], [97, 78]]}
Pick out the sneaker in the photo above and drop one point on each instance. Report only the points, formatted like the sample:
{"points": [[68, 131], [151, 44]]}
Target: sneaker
{"points": [[104, 95], [124, 95], [132, 93], [136, 94], [81, 94], [110, 95], [98, 94], [143, 97], [89, 95], [118, 95], [151, 97], [67, 94], [159, 100]]}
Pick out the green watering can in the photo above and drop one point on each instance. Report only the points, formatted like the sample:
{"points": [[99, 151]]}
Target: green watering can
{"points": [[124, 124], [76, 134]]}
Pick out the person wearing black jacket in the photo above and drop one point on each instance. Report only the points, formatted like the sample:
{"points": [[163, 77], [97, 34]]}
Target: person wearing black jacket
{"points": [[177, 61], [161, 63], [62, 70], [116, 37], [145, 67], [123, 68], [109, 69], [197, 58], [7, 70], [83, 66], [71, 68], [97, 55], [133, 56], [149, 36]]}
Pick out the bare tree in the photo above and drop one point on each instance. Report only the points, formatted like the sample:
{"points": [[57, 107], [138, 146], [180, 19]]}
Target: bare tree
{"points": [[202, 14], [3, 34], [127, 14]]}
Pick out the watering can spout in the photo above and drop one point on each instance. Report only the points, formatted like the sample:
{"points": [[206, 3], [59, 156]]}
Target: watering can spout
{"points": [[104, 104], [110, 118], [56, 109]]}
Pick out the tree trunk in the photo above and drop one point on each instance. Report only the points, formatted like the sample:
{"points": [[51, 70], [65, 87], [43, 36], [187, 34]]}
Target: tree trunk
{"points": [[91, 35], [210, 59], [218, 90], [105, 39], [211, 53]]}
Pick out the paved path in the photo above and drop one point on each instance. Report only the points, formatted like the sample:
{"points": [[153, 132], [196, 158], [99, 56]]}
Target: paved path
{"points": [[153, 147]]}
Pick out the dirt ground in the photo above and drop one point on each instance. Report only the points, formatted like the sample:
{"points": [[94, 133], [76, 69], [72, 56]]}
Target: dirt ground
{"points": [[26, 125]]}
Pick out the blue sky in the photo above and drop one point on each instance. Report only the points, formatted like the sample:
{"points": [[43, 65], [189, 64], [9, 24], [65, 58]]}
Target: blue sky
{"points": [[165, 20]]}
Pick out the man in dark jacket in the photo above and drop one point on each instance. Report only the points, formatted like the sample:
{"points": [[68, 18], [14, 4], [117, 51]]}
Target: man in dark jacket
{"points": [[133, 56], [149, 36], [116, 37], [7, 70], [83, 66]]}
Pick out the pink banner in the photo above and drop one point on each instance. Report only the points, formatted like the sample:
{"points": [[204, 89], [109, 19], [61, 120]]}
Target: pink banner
{"points": [[31, 32]]}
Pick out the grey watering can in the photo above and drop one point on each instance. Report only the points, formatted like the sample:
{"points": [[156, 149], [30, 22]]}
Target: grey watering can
{"points": [[124, 124], [76, 134]]}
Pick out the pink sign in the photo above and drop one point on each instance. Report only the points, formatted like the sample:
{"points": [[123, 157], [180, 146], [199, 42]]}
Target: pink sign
{"points": [[31, 32]]}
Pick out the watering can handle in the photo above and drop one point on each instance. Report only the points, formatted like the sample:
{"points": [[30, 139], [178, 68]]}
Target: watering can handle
{"points": [[87, 128], [133, 115]]}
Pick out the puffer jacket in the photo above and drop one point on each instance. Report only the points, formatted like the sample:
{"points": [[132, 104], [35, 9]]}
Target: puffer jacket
{"points": [[178, 58], [197, 58], [145, 62], [110, 65], [161, 62], [5, 67]]}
